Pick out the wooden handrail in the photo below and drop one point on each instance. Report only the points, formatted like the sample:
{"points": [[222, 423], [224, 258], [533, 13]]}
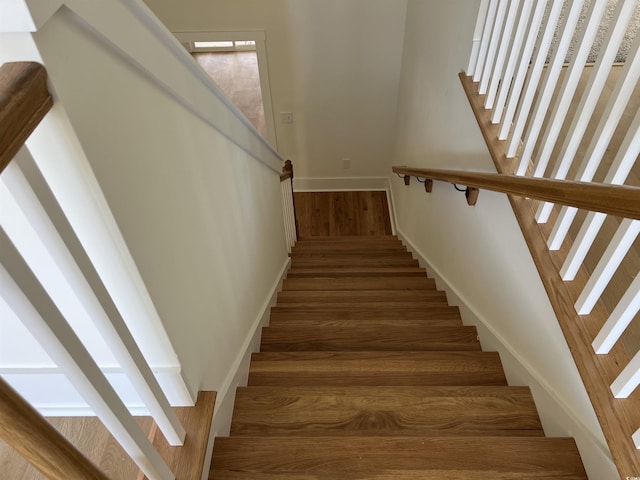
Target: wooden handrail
{"points": [[24, 101], [619, 200], [23, 428]]}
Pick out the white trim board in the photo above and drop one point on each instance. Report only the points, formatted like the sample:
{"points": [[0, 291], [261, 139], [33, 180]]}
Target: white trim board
{"points": [[49, 391], [337, 184]]}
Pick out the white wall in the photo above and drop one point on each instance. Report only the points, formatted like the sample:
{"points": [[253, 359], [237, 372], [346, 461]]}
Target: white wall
{"points": [[478, 252], [335, 64], [194, 191]]}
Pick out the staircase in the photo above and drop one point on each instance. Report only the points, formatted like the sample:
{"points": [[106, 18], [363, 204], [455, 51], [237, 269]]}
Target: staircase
{"points": [[365, 372]]}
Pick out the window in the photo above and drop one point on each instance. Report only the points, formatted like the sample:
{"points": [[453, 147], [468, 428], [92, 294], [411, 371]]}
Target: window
{"points": [[223, 46], [212, 44]]}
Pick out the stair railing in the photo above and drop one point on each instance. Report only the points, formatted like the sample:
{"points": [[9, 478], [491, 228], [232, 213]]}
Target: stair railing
{"points": [[523, 84], [288, 205], [623, 201], [24, 102]]}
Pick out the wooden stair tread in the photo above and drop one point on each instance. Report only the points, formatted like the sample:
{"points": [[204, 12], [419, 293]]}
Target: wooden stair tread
{"points": [[366, 313], [356, 272], [369, 260], [365, 371], [363, 296], [356, 284], [390, 307], [385, 411], [376, 368], [293, 319], [351, 254], [298, 338], [349, 238], [347, 247], [339, 458]]}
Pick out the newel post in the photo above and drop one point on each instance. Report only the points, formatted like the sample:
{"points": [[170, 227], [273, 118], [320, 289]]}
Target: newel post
{"points": [[287, 168]]}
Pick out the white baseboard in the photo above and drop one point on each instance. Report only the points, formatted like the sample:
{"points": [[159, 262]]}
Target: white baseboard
{"points": [[239, 371], [472, 316], [337, 184]]}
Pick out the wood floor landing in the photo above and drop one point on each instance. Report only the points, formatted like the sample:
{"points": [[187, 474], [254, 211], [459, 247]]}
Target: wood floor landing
{"points": [[339, 214], [366, 372]]}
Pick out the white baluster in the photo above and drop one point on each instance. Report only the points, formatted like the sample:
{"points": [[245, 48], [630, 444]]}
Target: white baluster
{"points": [[628, 380], [294, 235], [486, 39], [618, 172], [514, 57], [605, 130], [477, 37], [30, 229], [549, 85], [58, 154], [498, 74], [608, 264], [289, 214], [619, 320], [284, 212], [567, 90], [493, 46], [533, 80], [589, 99], [636, 439], [46, 323]]}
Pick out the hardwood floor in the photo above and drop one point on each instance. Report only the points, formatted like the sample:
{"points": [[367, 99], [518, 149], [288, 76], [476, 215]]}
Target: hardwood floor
{"points": [[338, 214], [89, 435], [237, 75], [91, 438]]}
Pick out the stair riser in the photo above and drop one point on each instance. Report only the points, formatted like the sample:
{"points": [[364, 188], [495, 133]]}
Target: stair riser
{"points": [[386, 307], [347, 248], [350, 284], [432, 313], [284, 339], [361, 296], [349, 239], [363, 272], [292, 321], [355, 261]]}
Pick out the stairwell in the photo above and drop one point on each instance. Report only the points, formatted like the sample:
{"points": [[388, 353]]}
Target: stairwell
{"points": [[366, 372]]}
